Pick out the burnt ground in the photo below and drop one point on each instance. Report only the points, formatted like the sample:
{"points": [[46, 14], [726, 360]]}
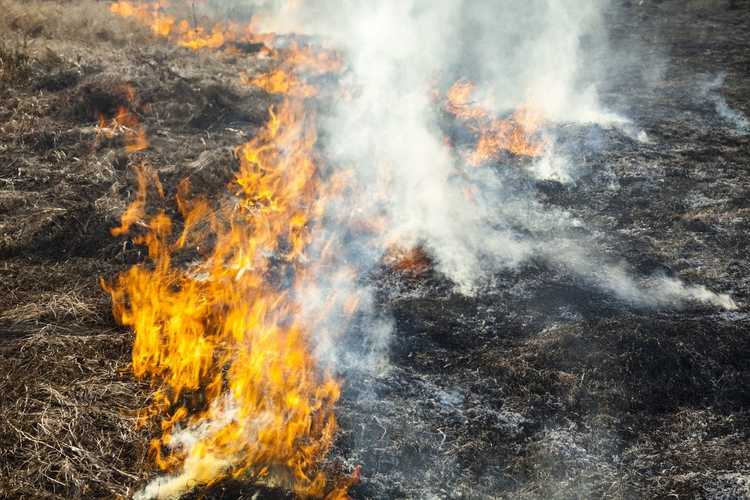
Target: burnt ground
{"points": [[539, 387]]}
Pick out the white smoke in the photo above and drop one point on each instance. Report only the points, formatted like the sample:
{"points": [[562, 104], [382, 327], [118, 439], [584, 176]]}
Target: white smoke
{"points": [[537, 53], [533, 53], [711, 90], [198, 468], [655, 291]]}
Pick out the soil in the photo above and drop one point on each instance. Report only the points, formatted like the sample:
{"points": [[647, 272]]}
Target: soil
{"points": [[539, 387]]}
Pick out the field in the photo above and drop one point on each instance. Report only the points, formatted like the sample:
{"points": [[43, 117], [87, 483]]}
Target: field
{"points": [[540, 387]]}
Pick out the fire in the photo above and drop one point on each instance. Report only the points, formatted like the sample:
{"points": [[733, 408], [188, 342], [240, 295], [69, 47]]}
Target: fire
{"points": [[126, 124], [217, 309], [182, 31], [239, 392], [282, 82], [313, 61], [198, 38], [460, 102], [517, 134], [226, 329], [295, 64], [149, 14]]}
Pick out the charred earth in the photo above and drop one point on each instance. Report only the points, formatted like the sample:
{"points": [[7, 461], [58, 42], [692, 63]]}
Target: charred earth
{"points": [[541, 386]]}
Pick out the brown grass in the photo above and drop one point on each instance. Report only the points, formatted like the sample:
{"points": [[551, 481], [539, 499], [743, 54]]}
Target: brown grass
{"points": [[69, 431], [68, 400], [87, 21], [15, 63]]}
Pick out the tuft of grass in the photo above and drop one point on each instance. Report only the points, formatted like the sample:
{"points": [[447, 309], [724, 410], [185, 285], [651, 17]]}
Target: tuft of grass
{"points": [[49, 21], [15, 63]]}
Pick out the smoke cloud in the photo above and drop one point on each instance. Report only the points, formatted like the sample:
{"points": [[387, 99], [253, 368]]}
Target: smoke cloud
{"points": [[711, 90], [539, 53]]}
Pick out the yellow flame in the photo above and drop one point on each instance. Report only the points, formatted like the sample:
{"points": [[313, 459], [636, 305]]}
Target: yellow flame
{"points": [[239, 392], [222, 338], [223, 329], [516, 134]]}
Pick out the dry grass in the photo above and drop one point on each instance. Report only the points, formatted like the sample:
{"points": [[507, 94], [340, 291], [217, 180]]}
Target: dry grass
{"points": [[69, 431], [68, 400], [54, 306], [36, 32], [73, 21], [15, 63]]}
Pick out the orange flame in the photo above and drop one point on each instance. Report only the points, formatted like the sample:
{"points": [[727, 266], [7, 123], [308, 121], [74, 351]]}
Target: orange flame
{"points": [[311, 60], [126, 124], [282, 82], [224, 329], [461, 104], [180, 31], [294, 62], [239, 392], [517, 134], [222, 338]]}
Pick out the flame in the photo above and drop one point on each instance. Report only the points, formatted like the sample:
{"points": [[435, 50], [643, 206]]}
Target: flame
{"points": [[310, 60], [282, 82], [216, 310], [182, 31], [126, 124], [461, 104], [149, 14], [517, 134], [295, 60], [238, 391], [295, 64], [200, 38], [226, 329]]}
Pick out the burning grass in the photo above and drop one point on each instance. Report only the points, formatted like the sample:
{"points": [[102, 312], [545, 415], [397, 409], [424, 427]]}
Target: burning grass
{"points": [[69, 23], [70, 404], [492, 390]]}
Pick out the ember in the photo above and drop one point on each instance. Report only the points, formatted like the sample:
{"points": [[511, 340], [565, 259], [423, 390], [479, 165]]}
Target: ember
{"points": [[517, 135], [125, 123]]}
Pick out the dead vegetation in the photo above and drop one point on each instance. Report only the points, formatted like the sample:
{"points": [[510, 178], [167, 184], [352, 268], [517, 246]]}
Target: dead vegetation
{"points": [[68, 416], [68, 402], [15, 63], [632, 407], [66, 23]]}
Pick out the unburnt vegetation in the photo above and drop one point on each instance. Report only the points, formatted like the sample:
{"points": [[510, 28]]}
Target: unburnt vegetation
{"points": [[540, 388], [69, 403]]}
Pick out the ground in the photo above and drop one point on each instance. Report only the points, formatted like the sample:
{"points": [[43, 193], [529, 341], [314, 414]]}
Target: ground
{"points": [[538, 388]]}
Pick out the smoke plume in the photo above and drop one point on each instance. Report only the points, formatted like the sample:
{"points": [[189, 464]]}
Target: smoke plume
{"points": [[711, 90], [388, 131], [541, 54]]}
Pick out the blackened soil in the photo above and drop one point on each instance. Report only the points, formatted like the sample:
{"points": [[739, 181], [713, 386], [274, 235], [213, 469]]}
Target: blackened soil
{"points": [[539, 387], [542, 387]]}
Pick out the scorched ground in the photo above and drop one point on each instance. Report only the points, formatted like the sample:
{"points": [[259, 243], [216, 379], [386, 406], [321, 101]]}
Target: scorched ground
{"points": [[540, 387]]}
